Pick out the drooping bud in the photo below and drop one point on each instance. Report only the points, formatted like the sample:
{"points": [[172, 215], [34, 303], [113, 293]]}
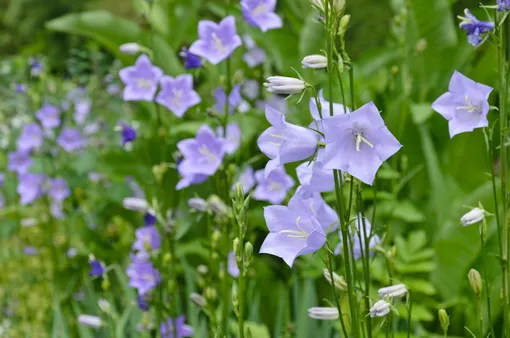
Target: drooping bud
{"points": [[475, 280], [323, 313], [90, 321], [202, 269], [131, 48], [135, 204], [380, 309], [104, 305], [198, 204], [217, 206], [344, 24], [315, 61], [338, 281], [394, 291], [472, 217], [210, 293], [248, 255], [284, 85], [197, 299], [444, 320]]}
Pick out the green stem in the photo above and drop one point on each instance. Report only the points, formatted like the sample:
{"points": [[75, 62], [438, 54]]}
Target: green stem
{"points": [[480, 314], [409, 312], [487, 283], [337, 300], [366, 270]]}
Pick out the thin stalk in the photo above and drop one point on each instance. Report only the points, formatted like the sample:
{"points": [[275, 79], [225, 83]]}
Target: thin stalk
{"points": [[487, 284], [409, 312], [480, 314], [337, 300], [366, 271]]}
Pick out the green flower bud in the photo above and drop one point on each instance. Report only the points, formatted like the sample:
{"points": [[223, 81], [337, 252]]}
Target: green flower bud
{"points": [[167, 257], [159, 172], [239, 193], [444, 320], [475, 280], [216, 236], [237, 251], [248, 254], [344, 24], [210, 293], [235, 298], [105, 284]]}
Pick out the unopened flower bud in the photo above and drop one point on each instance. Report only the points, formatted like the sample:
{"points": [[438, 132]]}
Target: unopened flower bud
{"points": [[284, 85], [210, 293], [216, 236], [104, 305], [338, 5], [90, 321], [394, 291], [159, 172], [421, 45], [338, 281], [218, 206], [197, 299], [198, 204], [235, 297], [239, 193], [131, 48], [475, 280], [105, 284], [248, 254], [472, 217], [323, 313], [344, 24], [315, 61], [444, 320], [380, 309], [202, 269], [237, 251], [135, 203]]}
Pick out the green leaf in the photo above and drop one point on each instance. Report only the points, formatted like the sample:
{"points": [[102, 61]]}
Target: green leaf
{"points": [[421, 112]]}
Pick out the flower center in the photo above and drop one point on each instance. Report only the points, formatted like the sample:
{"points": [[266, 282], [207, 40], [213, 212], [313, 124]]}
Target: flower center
{"points": [[218, 43], [205, 151], [142, 83], [149, 277], [176, 100], [470, 107], [274, 186], [276, 136], [358, 137], [260, 9], [296, 233]]}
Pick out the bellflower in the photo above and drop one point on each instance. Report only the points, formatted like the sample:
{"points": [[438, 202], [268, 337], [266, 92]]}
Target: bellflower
{"points": [[142, 275], [149, 219], [338, 108], [130, 48], [81, 110], [30, 187], [181, 329], [316, 206], [246, 179], [284, 85], [143, 303], [261, 13], [294, 231], [251, 89], [36, 67], [315, 178], [234, 99], [254, 57], [315, 61], [19, 161], [70, 139], [216, 41], [358, 239], [141, 80], [90, 321], [20, 88], [380, 309], [465, 105], [284, 142], [191, 61], [323, 313], [127, 133], [49, 116], [203, 154], [96, 268], [474, 27], [473, 216], [358, 143], [274, 187], [232, 267], [31, 137], [189, 179], [57, 209], [233, 139], [59, 190], [177, 94], [147, 238], [503, 5]]}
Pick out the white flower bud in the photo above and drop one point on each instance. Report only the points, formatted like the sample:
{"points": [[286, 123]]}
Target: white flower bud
{"points": [[380, 309], [197, 299], [323, 313], [28, 222], [218, 206], [284, 85], [198, 204], [131, 48], [90, 321], [338, 280], [136, 204], [104, 305], [394, 291], [315, 61], [472, 217]]}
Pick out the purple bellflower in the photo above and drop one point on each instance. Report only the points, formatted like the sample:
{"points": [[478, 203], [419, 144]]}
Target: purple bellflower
{"points": [[216, 41], [96, 268], [294, 230], [141, 80], [284, 142], [81, 110], [233, 139], [181, 329], [465, 105], [232, 267], [31, 137], [315, 178], [503, 5], [147, 238], [142, 275], [315, 204], [251, 89], [358, 143], [191, 61], [358, 240], [254, 57], [261, 13], [19, 161], [127, 133], [59, 189], [30, 187], [474, 27], [70, 140], [234, 99], [246, 179], [177, 94], [20, 88], [338, 108], [274, 187], [189, 179], [143, 303], [149, 219], [49, 116]]}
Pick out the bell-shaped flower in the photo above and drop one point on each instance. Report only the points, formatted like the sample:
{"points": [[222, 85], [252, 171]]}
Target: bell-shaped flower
{"points": [[338, 108], [274, 187], [216, 41], [49, 116], [474, 27], [314, 177], [234, 99], [465, 105], [503, 5], [233, 140], [177, 94], [31, 137], [284, 85], [380, 309], [284, 142], [316, 206], [261, 13], [315, 61], [141, 80], [358, 143]]}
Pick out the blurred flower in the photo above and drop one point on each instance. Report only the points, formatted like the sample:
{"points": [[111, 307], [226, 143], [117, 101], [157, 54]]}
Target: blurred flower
{"points": [[197, 299], [284, 142], [177, 94], [198, 204], [30, 251], [191, 61], [246, 179], [216, 41], [59, 189], [142, 302], [135, 203], [473, 216], [29, 187], [141, 80], [474, 27], [96, 267], [149, 219], [358, 143], [338, 109], [56, 209], [90, 321], [127, 133], [276, 102], [142, 275], [81, 110], [274, 188], [70, 139], [323, 313], [49, 116], [394, 291], [19, 161], [167, 329], [2, 178], [284, 85], [260, 13], [380, 309], [28, 222], [503, 5], [232, 267], [21, 88], [130, 48], [234, 99], [35, 67], [31, 137], [147, 238], [294, 231], [217, 205], [315, 61], [254, 57], [358, 239], [465, 105], [104, 305], [233, 139], [72, 252], [251, 89], [189, 179]]}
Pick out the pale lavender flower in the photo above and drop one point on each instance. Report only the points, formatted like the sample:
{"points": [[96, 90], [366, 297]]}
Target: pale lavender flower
{"points": [[147, 238], [36, 67], [465, 105], [260, 13], [191, 61], [90, 321], [177, 94], [358, 143], [232, 267], [338, 108], [20, 88], [31, 137], [189, 179], [141, 80], [233, 139], [142, 275], [59, 189], [314, 177], [167, 329], [294, 231], [358, 239], [284, 142], [30, 251], [2, 178], [216, 41], [30, 187], [254, 57], [251, 89], [19, 161], [503, 5], [82, 108], [57, 210], [316, 206], [49, 116], [234, 99], [247, 180], [474, 27], [70, 140], [274, 187]]}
